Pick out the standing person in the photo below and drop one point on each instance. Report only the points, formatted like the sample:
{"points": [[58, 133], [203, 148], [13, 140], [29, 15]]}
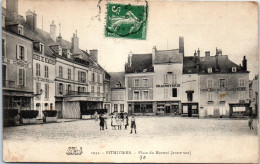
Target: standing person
{"points": [[96, 115], [101, 118], [113, 122], [125, 121], [250, 122], [133, 124], [105, 120], [118, 122]]}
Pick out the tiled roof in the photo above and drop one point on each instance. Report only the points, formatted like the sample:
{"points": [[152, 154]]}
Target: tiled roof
{"points": [[140, 63], [168, 56], [117, 77]]}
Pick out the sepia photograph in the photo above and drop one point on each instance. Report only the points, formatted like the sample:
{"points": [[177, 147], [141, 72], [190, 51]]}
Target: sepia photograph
{"points": [[135, 81]]}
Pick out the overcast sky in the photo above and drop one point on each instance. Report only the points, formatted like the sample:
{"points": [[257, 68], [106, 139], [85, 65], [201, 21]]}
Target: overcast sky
{"points": [[231, 26]]}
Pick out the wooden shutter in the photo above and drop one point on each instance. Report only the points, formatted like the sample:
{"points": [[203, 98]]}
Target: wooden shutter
{"points": [[17, 52], [25, 54]]}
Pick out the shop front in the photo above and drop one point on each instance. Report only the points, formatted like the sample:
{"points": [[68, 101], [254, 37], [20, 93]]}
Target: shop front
{"points": [[168, 108], [190, 109], [141, 108], [239, 110]]}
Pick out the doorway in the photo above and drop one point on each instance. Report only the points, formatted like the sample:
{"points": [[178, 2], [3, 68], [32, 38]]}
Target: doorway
{"points": [[189, 111]]}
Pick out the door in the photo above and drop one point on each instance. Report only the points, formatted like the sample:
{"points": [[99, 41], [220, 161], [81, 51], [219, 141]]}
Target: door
{"points": [[167, 109], [189, 111]]}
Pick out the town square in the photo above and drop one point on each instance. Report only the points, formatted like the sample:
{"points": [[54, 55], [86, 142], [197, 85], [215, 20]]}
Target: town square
{"points": [[144, 81]]}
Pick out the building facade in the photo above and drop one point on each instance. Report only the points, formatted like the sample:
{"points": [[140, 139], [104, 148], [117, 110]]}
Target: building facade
{"points": [[17, 70], [253, 95], [118, 92]]}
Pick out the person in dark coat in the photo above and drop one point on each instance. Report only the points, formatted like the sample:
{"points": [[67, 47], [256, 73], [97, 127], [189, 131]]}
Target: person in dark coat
{"points": [[133, 125], [102, 122]]}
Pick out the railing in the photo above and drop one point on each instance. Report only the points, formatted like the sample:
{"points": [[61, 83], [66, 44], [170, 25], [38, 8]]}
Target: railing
{"points": [[76, 93]]}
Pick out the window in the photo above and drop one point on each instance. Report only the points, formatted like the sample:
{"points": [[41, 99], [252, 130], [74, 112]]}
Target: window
{"points": [[21, 77], [174, 92], [145, 95], [115, 108], [136, 82], [69, 73], [92, 89], [210, 70], [61, 88], [41, 48], [121, 107], [145, 82], [46, 71], [174, 78], [234, 69], [51, 106], [209, 96], [136, 95], [93, 76], [3, 47], [60, 71], [166, 78], [166, 94], [38, 69], [46, 106], [21, 52], [189, 95], [241, 82], [4, 75], [81, 76], [210, 83], [46, 91], [20, 29], [79, 89], [222, 83]]}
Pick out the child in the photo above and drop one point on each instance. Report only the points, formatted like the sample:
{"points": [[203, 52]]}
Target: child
{"points": [[125, 121], [113, 122], [118, 120], [250, 123], [133, 125]]}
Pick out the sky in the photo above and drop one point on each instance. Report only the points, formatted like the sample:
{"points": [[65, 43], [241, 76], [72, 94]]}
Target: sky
{"points": [[230, 26]]}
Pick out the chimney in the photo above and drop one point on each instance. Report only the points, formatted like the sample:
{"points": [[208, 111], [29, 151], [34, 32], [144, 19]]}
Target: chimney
{"points": [[218, 52], [31, 19], [94, 55], [59, 38], [11, 10], [217, 64], [129, 62], [75, 43], [181, 45], [207, 53], [244, 64], [53, 31], [154, 50]]}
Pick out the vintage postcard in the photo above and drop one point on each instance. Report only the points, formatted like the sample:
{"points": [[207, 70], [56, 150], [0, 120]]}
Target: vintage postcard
{"points": [[134, 81]]}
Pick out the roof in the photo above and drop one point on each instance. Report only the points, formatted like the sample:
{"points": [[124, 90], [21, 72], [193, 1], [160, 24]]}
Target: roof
{"points": [[140, 63], [224, 64], [189, 65], [117, 78], [168, 56]]}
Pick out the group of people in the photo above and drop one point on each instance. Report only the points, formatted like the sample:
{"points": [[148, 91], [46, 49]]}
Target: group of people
{"points": [[117, 121]]}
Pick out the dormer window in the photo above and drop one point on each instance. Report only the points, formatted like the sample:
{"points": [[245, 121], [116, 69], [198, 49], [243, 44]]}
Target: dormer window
{"points": [[41, 48], [60, 50], [68, 54], [210, 70], [234, 69], [20, 29]]}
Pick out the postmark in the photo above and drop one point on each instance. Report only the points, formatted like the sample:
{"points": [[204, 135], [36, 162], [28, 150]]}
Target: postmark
{"points": [[126, 21]]}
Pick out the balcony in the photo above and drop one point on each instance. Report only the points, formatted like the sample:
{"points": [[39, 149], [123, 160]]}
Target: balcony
{"points": [[76, 93]]}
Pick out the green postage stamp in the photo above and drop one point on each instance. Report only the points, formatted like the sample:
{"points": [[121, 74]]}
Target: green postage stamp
{"points": [[126, 21]]}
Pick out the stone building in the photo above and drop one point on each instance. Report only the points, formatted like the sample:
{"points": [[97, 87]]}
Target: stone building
{"points": [[118, 92], [253, 95], [224, 86], [139, 81]]}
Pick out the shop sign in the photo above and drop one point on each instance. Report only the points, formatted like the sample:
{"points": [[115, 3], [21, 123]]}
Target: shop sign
{"points": [[43, 79], [20, 63], [168, 85], [223, 89]]}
